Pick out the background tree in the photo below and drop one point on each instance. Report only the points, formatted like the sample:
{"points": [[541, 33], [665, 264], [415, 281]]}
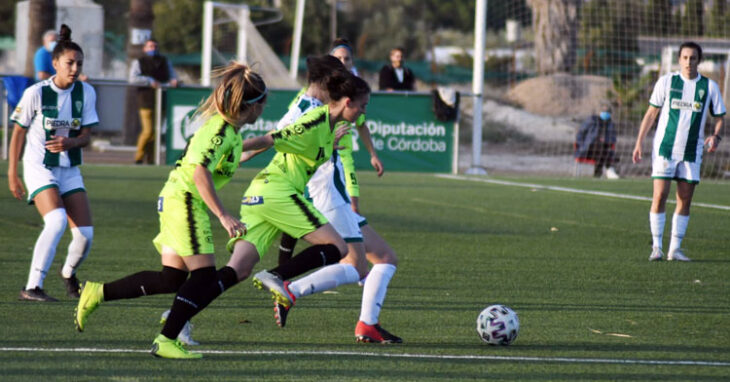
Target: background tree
{"points": [[608, 37], [658, 21], [555, 24], [42, 15], [718, 20], [692, 23]]}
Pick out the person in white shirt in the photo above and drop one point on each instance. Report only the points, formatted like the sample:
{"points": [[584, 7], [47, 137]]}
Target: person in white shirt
{"points": [[682, 101], [53, 121]]}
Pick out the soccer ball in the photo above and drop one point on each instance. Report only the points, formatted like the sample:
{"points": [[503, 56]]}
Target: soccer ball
{"points": [[498, 325]]}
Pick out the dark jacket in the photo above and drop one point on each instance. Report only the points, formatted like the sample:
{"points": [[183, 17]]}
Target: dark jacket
{"points": [[157, 68], [388, 79], [593, 130]]}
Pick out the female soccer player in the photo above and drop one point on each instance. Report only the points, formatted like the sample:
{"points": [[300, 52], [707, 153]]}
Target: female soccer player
{"points": [[274, 202], [185, 240], [329, 196], [53, 121]]}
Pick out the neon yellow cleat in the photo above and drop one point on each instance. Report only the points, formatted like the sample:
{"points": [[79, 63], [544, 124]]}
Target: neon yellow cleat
{"points": [[92, 294], [164, 347]]}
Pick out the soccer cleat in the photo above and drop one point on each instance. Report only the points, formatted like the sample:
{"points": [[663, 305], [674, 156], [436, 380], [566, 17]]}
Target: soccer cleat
{"points": [[677, 255], [272, 283], [612, 174], [164, 347], [375, 334], [186, 334], [35, 294], [72, 286], [656, 254], [92, 294], [281, 311]]}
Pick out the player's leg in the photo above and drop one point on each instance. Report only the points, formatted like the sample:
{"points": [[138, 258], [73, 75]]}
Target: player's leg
{"points": [[680, 219], [145, 135], [50, 206], [384, 261], [286, 247], [82, 234], [663, 171]]}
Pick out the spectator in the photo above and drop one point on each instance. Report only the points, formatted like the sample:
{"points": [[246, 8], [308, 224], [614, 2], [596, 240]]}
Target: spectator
{"points": [[42, 60], [596, 143], [149, 72], [396, 76]]}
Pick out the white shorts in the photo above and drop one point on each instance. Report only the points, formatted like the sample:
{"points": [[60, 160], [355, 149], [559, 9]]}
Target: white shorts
{"points": [[345, 221], [38, 177], [663, 168]]}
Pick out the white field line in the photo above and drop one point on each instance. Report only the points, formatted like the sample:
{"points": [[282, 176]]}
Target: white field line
{"points": [[573, 190], [667, 362]]}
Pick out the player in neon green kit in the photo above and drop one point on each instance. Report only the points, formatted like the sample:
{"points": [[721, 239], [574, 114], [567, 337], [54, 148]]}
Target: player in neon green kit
{"points": [[681, 101], [185, 241], [273, 203]]}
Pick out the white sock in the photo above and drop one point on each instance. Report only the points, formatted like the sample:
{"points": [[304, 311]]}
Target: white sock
{"points": [[78, 249], [373, 293], [679, 227], [54, 224], [327, 278], [656, 222]]}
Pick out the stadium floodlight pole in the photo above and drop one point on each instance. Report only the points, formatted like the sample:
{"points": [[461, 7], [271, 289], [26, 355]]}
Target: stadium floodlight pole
{"points": [[297, 41], [480, 21], [158, 124], [244, 18], [205, 63]]}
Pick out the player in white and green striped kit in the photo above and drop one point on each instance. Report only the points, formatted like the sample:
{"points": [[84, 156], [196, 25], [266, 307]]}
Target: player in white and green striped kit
{"points": [[682, 101]]}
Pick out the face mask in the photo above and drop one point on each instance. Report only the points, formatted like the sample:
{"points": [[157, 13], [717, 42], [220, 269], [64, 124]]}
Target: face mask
{"points": [[151, 53], [51, 46], [605, 116]]}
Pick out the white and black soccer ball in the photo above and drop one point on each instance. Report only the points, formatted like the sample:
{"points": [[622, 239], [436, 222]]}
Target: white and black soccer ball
{"points": [[498, 325]]}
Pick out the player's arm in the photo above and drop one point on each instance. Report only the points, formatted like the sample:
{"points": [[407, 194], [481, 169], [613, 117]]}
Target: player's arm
{"points": [[714, 140], [248, 155], [364, 133], [646, 123], [17, 141], [58, 144], [204, 183], [261, 142]]}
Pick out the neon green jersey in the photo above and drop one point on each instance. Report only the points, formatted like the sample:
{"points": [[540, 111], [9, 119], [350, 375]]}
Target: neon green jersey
{"points": [[300, 149], [217, 146]]}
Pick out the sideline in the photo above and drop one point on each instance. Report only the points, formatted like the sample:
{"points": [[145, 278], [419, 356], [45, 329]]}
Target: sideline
{"points": [[667, 362], [573, 190]]}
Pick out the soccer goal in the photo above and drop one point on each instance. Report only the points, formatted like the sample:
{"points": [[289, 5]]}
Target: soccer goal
{"points": [[229, 27]]}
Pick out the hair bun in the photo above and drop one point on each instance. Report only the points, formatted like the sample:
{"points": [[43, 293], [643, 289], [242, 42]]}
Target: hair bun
{"points": [[64, 34]]}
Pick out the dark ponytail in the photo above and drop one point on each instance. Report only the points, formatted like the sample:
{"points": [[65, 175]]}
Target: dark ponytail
{"points": [[64, 42], [346, 85], [320, 68]]}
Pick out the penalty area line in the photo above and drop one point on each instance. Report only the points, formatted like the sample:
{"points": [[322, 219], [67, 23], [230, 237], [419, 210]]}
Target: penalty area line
{"points": [[667, 362], [573, 190]]}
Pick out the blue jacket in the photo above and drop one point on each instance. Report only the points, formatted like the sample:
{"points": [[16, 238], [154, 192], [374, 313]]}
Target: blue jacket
{"points": [[593, 130]]}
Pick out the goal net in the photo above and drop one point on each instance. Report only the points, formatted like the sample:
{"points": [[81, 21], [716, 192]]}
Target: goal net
{"points": [[552, 64]]}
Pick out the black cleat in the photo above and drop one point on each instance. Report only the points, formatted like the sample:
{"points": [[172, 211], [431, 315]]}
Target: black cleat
{"points": [[35, 294], [72, 286]]}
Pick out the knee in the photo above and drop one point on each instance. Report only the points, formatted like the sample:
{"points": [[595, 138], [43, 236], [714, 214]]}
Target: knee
{"points": [[55, 221], [342, 248], [387, 257], [173, 278], [84, 235]]}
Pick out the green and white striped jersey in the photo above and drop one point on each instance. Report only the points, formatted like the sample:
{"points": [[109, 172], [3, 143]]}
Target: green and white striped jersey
{"points": [[684, 104]]}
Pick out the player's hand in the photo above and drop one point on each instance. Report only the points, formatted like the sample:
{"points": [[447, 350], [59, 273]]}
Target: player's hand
{"points": [[339, 133], [59, 144], [16, 187], [636, 156], [377, 165], [233, 226], [712, 142]]}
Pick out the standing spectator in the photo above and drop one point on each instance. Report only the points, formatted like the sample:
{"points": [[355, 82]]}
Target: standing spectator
{"points": [[396, 76], [596, 143], [149, 72], [681, 100], [53, 121], [42, 61]]}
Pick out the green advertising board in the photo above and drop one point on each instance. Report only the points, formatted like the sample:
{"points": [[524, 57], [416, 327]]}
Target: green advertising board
{"points": [[403, 127]]}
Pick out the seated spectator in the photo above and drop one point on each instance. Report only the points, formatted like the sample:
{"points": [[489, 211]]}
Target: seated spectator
{"points": [[596, 143], [396, 76]]}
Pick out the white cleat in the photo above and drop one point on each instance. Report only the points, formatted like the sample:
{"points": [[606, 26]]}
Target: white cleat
{"points": [[268, 281], [677, 255], [656, 254], [612, 174], [186, 334]]}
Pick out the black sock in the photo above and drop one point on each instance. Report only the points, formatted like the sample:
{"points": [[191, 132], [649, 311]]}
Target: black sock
{"points": [[308, 259], [145, 283], [286, 248], [201, 289]]}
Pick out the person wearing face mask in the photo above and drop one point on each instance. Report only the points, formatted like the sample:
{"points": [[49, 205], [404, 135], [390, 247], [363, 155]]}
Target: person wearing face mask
{"points": [[596, 143], [149, 72], [396, 76], [43, 60]]}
